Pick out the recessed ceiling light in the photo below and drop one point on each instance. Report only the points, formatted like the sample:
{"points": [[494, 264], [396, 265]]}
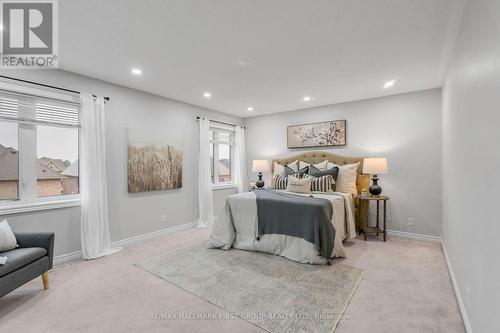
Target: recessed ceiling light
{"points": [[207, 94], [243, 62], [250, 108], [307, 99], [389, 84], [136, 71]]}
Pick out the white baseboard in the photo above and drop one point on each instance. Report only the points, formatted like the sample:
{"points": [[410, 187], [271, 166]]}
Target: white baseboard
{"points": [[414, 236], [152, 234], [65, 258], [458, 295]]}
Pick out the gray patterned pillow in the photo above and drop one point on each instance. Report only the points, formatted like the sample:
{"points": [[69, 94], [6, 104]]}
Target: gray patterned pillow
{"points": [[298, 174]]}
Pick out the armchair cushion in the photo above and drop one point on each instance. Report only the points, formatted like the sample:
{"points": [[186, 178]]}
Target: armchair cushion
{"points": [[20, 257]]}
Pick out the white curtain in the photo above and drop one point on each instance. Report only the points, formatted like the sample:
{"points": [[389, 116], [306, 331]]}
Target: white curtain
{"points": [[205, 199], [240, 160], [95, 238]]}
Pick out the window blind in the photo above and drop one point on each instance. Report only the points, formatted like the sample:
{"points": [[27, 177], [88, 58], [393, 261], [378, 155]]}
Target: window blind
{"points": [[36, 110], [9, 107], [57, 114]]}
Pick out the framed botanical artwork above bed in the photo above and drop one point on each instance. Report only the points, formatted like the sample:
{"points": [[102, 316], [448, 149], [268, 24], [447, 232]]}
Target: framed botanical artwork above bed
{"points": [[323, 134]]}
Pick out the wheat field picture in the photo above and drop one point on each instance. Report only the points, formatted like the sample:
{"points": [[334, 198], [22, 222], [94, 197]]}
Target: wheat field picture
{"points": [[154, 164]]}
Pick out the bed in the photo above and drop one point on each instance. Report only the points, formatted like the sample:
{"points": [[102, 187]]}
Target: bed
{"points": [[237, 227]]}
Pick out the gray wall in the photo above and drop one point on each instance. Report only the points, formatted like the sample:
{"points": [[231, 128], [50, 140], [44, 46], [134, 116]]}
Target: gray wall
{"points": [[130, 214], [471, 162], [406, 129]]}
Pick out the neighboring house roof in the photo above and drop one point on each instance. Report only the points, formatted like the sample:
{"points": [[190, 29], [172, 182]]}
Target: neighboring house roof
{"points": [[45, 172], [224, 167], [54, 163], [9, 166], [8, 163], [71, 171]]}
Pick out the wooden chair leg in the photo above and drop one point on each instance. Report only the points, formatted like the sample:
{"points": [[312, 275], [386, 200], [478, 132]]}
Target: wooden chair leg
{"points": [[45, 280]]}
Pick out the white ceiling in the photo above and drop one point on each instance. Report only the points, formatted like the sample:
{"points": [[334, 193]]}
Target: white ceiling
{"points": [[332, 50]]}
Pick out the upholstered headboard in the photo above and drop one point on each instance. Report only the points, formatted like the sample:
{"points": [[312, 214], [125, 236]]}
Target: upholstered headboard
{"points": [[314, 157]]}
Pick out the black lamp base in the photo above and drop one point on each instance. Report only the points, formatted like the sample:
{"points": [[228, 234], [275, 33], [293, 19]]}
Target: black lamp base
{"points": [[260, 182], [375, 189]]}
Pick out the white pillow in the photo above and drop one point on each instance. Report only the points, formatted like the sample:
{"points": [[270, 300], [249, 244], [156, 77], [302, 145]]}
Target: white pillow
{"points": [[321, 166], [346, 179], [302, 185], [279, 169], [7, 238]]}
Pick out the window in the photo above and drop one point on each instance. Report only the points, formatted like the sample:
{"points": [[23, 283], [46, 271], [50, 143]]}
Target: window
{"points": [[9, 161], [221, 154], [39, 149]]}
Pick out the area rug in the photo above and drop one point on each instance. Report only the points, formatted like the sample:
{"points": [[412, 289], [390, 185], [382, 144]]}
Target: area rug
{"points": [[271, 292]]}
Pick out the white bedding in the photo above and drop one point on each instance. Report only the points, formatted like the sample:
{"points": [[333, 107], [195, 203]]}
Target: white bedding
{"points": [[243, 234]]}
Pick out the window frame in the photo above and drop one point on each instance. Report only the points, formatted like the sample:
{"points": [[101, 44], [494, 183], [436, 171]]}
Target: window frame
{"points": [[217, 128], [28, 199]]}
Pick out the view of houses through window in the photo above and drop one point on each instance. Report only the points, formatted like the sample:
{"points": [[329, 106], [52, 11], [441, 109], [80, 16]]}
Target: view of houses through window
{"points": [[31, 153], [221, 152], [9, 161], [55, 176], [57, 161]]}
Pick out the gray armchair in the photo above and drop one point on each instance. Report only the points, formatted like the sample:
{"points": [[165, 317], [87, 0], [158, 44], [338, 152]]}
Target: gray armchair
{"points": [[33, 257]]}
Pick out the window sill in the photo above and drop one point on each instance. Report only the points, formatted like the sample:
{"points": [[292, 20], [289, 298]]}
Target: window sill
{"points": [[38, 206], [223, 187]]}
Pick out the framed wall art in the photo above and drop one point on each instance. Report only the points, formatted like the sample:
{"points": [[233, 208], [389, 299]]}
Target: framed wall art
{"points": [[154, 161], [323, 134]]}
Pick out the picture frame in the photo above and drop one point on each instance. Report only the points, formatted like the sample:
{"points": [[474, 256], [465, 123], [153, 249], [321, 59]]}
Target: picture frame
{"points": [[321, 134], [154, 160]]}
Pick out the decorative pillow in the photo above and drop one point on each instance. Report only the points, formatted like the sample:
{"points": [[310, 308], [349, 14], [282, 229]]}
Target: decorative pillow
{"points": [[294, 165], [279, 169], [279, 182], [321, 184], [299, 174], [299, 185], [334, 172], [320, 166], [7, 238], [346, 180]]}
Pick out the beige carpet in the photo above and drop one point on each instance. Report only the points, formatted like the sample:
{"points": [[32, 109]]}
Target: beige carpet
{"points": [[405, 288], [271, 292]]}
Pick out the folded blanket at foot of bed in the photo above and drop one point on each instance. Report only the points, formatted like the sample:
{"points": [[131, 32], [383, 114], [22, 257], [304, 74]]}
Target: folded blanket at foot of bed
{"points": [[306, 217]]}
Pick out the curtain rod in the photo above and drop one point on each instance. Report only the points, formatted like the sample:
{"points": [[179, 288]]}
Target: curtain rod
{"points": [[47, 86], [219, 122]]}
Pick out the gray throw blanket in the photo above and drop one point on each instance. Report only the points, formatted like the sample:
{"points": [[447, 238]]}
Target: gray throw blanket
{"points": [[293, 215]]}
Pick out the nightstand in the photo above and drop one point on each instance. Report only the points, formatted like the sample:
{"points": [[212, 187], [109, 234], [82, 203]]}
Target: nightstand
{"points": [[364, 226]]}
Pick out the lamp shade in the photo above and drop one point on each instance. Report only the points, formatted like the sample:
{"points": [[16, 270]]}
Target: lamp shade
{"points": [[374, 166], [260, 166]]}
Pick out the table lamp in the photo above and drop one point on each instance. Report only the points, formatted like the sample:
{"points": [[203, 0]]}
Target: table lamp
{"points": [[375, 166], [260, 166]]}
